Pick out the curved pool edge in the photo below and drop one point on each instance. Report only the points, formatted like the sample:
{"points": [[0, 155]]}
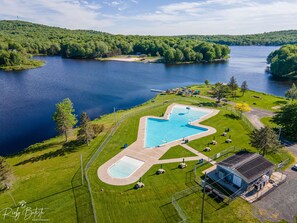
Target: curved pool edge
{"points": [[150, 156]]}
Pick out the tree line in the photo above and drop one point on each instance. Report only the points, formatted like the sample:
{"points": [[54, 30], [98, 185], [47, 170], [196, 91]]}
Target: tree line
{"points": [[32, 39], [283, 62]]}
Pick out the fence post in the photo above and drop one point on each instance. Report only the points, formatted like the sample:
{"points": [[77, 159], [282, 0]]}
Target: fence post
{"points": [[81, 169]]}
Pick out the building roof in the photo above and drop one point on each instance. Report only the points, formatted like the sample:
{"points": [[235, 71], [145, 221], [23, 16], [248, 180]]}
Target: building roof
{"points": [[249, 166]]}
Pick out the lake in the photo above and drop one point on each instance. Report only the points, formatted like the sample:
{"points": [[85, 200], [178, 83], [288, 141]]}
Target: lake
{"points": [[28, 97]]}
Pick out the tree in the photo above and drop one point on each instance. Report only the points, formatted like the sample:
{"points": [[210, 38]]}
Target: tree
{"points": [[169, 55], [64, 117], [244, 87], [265, 140], [233, 85], [179, 56], [292, 92], [242, 107], [286, 117], [86, 132], [220, 91], [206, 82], [6, 175]]}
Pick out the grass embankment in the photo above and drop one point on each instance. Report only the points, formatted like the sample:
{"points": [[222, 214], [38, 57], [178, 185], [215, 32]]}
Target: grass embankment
{"points": [[253, 98], [48, 175], [32, 64]]}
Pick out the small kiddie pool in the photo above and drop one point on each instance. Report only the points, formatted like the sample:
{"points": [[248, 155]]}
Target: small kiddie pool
{"points": [[177, 126], [124, 167]]}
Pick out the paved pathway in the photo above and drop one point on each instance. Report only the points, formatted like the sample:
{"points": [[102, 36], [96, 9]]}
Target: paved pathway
{"points": [[179, 160], [201, 155], [254, 115]]}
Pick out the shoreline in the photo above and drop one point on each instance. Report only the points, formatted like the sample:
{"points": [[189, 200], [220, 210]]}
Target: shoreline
{"points": [[139, 59], [132, 58], [33, 64]]}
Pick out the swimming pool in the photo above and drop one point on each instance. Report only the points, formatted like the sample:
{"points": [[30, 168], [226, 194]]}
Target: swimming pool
{"points": [[124, 167], [160, 131]]}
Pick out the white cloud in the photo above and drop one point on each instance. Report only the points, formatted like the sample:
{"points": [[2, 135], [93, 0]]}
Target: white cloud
{"points": [[70, 14], [217, 17], [193, 17]]}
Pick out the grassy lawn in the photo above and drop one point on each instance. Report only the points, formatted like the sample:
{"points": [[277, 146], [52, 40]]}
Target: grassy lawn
{"points": [[48, 174], [238, 211], [253, 98], [268, 121], [239, 133], [177, 152]]}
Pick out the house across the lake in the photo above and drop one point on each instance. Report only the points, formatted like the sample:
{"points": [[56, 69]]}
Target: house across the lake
{"points": [[243, 171]]}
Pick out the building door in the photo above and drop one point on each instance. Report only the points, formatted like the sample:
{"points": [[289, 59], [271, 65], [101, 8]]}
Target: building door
{"points": [[237, 180]]}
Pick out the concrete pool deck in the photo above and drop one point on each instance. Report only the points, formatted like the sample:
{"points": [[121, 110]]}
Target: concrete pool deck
{"points": [[151, 156]]}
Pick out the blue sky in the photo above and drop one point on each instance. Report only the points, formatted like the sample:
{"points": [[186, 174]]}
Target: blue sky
{"points": [[158, 17]]}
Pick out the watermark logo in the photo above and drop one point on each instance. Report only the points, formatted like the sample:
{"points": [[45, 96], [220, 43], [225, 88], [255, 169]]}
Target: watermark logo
{"points": [[24, 213]]}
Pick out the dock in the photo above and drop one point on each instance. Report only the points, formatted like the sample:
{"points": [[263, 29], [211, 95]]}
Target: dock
{"points": [[158, 91]]}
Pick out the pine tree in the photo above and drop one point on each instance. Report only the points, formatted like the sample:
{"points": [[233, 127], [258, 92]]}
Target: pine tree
{"points": [[64, 117], [86, 132], [244, 87], [265, 140], [6, 176], [233, 85]]}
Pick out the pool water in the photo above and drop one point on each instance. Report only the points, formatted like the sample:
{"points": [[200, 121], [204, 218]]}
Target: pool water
{"points": [[124, 167], [160, 131]]}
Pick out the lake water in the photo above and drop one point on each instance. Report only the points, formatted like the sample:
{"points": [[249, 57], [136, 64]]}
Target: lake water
{"points": [[28, 97]]}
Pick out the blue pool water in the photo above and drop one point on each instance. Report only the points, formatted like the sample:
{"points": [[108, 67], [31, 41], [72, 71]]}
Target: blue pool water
{"points": [[125, 167], [160, 131]]}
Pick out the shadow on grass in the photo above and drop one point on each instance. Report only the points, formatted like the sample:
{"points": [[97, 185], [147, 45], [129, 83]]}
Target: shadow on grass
{"points": [[169, 213], [232, 116], [36, 148], [190, 178], [207, 104], [67, 148], [280, 102]]}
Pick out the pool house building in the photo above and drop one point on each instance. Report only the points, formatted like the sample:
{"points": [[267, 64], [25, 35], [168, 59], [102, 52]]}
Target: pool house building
{"points": [[243, 171]]}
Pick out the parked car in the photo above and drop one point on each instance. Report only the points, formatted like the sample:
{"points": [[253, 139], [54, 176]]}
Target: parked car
{"points": [[295, 167]]}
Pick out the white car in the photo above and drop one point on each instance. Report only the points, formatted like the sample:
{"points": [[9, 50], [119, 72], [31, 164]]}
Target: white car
{"points": [[295, 167]]}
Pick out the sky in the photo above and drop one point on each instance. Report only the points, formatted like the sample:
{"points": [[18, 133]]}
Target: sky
{"points": [[157, 17]]}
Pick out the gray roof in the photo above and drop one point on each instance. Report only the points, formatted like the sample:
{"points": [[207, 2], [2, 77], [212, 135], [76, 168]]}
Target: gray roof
{"points": [[249, 166]]}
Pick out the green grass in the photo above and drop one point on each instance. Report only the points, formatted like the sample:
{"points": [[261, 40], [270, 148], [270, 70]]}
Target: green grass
{"points": [[32, 64], [48, 174], [238, 211], [260, 100], [268, 121], [177, 152], [253, 98], [239, 133]]}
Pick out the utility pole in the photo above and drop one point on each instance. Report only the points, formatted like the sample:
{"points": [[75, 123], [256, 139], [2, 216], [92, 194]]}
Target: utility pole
{"points": [[203, 198]]}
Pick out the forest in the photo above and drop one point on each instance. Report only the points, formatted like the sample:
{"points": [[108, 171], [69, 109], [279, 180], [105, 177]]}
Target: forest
{"points": [[19, 40], [276, 38], [283, 62]]}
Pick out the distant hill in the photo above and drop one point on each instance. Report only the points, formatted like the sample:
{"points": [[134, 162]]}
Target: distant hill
{"points": [[277, 38]]}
